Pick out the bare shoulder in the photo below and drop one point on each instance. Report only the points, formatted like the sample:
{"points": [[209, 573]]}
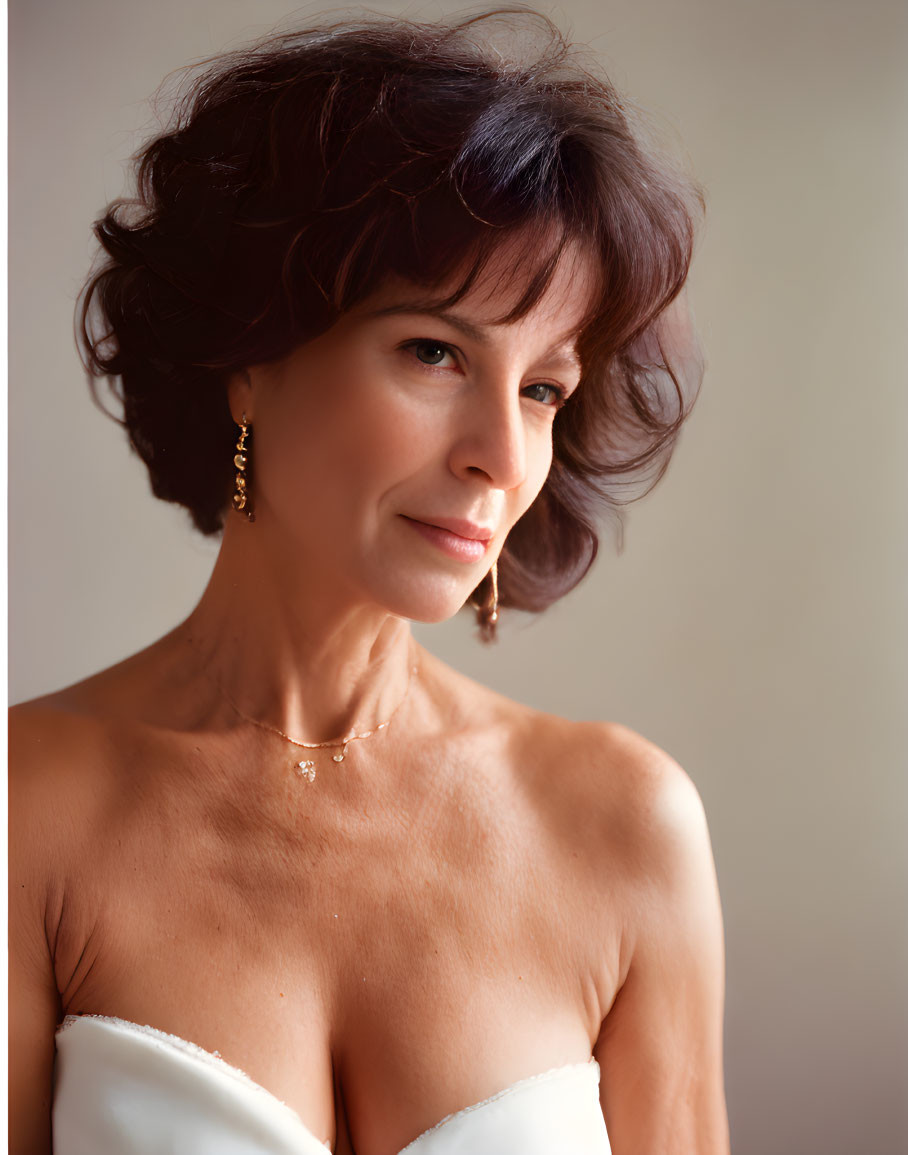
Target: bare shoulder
{"points": [[57, 762], [601, 768], [608, 770], [605, 759], [653, 821], [626, 811], [654, 794], [49, 735], [40, 825], [660, 1043], [39, 730], [55, 821], [64, 745], [652, 873]]}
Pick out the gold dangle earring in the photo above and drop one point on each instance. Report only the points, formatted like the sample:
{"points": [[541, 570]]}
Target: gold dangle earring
{"points": [[487, 615], [241, 459]]}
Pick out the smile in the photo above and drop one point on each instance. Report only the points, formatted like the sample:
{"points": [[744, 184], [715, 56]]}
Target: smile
{"points": [[452, 544]]}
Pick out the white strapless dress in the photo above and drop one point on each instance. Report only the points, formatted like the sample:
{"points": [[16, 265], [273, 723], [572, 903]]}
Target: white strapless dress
{"points": [[124, 1089]]}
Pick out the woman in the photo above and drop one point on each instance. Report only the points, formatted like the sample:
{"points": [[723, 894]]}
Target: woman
{"points": [[398, 315]]}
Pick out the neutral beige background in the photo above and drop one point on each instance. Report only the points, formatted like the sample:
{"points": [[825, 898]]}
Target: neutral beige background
{"points": [[755, 624]]}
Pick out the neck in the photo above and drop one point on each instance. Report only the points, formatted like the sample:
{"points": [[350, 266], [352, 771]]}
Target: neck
{"points": [[293, 648]]}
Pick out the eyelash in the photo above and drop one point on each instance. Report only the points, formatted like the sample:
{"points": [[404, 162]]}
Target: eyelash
{"points": [[561, 394]]}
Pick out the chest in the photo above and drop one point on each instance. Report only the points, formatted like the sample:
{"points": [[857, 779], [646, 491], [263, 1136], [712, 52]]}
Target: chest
{"points": [[375, 967]]}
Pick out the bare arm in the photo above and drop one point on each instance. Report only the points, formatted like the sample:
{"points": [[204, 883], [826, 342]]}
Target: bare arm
{"points": [[660, 1046], [34, 1004]]}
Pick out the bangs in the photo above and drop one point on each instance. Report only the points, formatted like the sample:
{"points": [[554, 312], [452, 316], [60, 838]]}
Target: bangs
{"points": [[532, 252]]}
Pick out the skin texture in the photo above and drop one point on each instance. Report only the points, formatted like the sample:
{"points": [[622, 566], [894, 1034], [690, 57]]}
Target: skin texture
{"points": [[480, 892]]}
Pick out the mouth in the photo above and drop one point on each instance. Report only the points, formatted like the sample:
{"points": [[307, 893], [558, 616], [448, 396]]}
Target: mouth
{"points": [[468, 545]]}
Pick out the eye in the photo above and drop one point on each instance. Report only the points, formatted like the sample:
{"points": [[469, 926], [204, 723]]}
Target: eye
{"points": [[427, 351], [432, 353], [558, 394]]}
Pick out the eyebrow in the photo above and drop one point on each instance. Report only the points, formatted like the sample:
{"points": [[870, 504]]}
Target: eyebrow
{"points": [[556, 355]]}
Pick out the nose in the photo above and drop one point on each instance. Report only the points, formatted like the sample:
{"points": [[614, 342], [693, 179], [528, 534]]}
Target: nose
{"points": [[492, 436]]}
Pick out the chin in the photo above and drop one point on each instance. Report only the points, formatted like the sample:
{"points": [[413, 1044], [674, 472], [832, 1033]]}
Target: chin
{"points": [[428, 605], [436, 618]]}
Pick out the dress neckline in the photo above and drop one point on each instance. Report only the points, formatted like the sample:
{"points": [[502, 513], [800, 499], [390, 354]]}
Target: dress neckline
{"points": [[213, 1059]]}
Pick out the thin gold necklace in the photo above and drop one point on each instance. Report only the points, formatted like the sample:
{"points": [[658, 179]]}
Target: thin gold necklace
{"points": [[306, 767]]}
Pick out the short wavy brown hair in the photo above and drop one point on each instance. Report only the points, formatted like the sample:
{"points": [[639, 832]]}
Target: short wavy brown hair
{"points": [[299, 172]]}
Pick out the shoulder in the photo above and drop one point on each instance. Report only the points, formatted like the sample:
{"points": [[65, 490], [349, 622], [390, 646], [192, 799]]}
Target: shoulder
{"points": [[598, 768], [655, 797], [651, 808], [603, 768], [654, 862], [627, 809], [62, 741], [638, 789], [49, 734], [55, 822], [660, 1040], [642, 771], [39, 732], [57, 764], [65, 804]]}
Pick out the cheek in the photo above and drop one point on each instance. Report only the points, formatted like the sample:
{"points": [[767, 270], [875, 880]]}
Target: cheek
{"points": [[341, 435], [383, 429], [538, 465]]}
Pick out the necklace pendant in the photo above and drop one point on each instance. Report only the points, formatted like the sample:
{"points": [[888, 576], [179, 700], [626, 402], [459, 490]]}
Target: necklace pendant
{"points": [[338, 757], [306, 769]]}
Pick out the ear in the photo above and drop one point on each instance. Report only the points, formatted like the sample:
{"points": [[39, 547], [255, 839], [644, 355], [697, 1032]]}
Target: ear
{"points": [[240, 396]]}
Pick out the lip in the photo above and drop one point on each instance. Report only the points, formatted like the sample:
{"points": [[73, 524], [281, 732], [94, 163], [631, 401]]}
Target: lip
{"points": [[458, 526], [456, 545]]}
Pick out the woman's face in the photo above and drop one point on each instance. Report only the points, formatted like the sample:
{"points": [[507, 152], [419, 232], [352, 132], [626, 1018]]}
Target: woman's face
{"points": [[400, 418]]}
